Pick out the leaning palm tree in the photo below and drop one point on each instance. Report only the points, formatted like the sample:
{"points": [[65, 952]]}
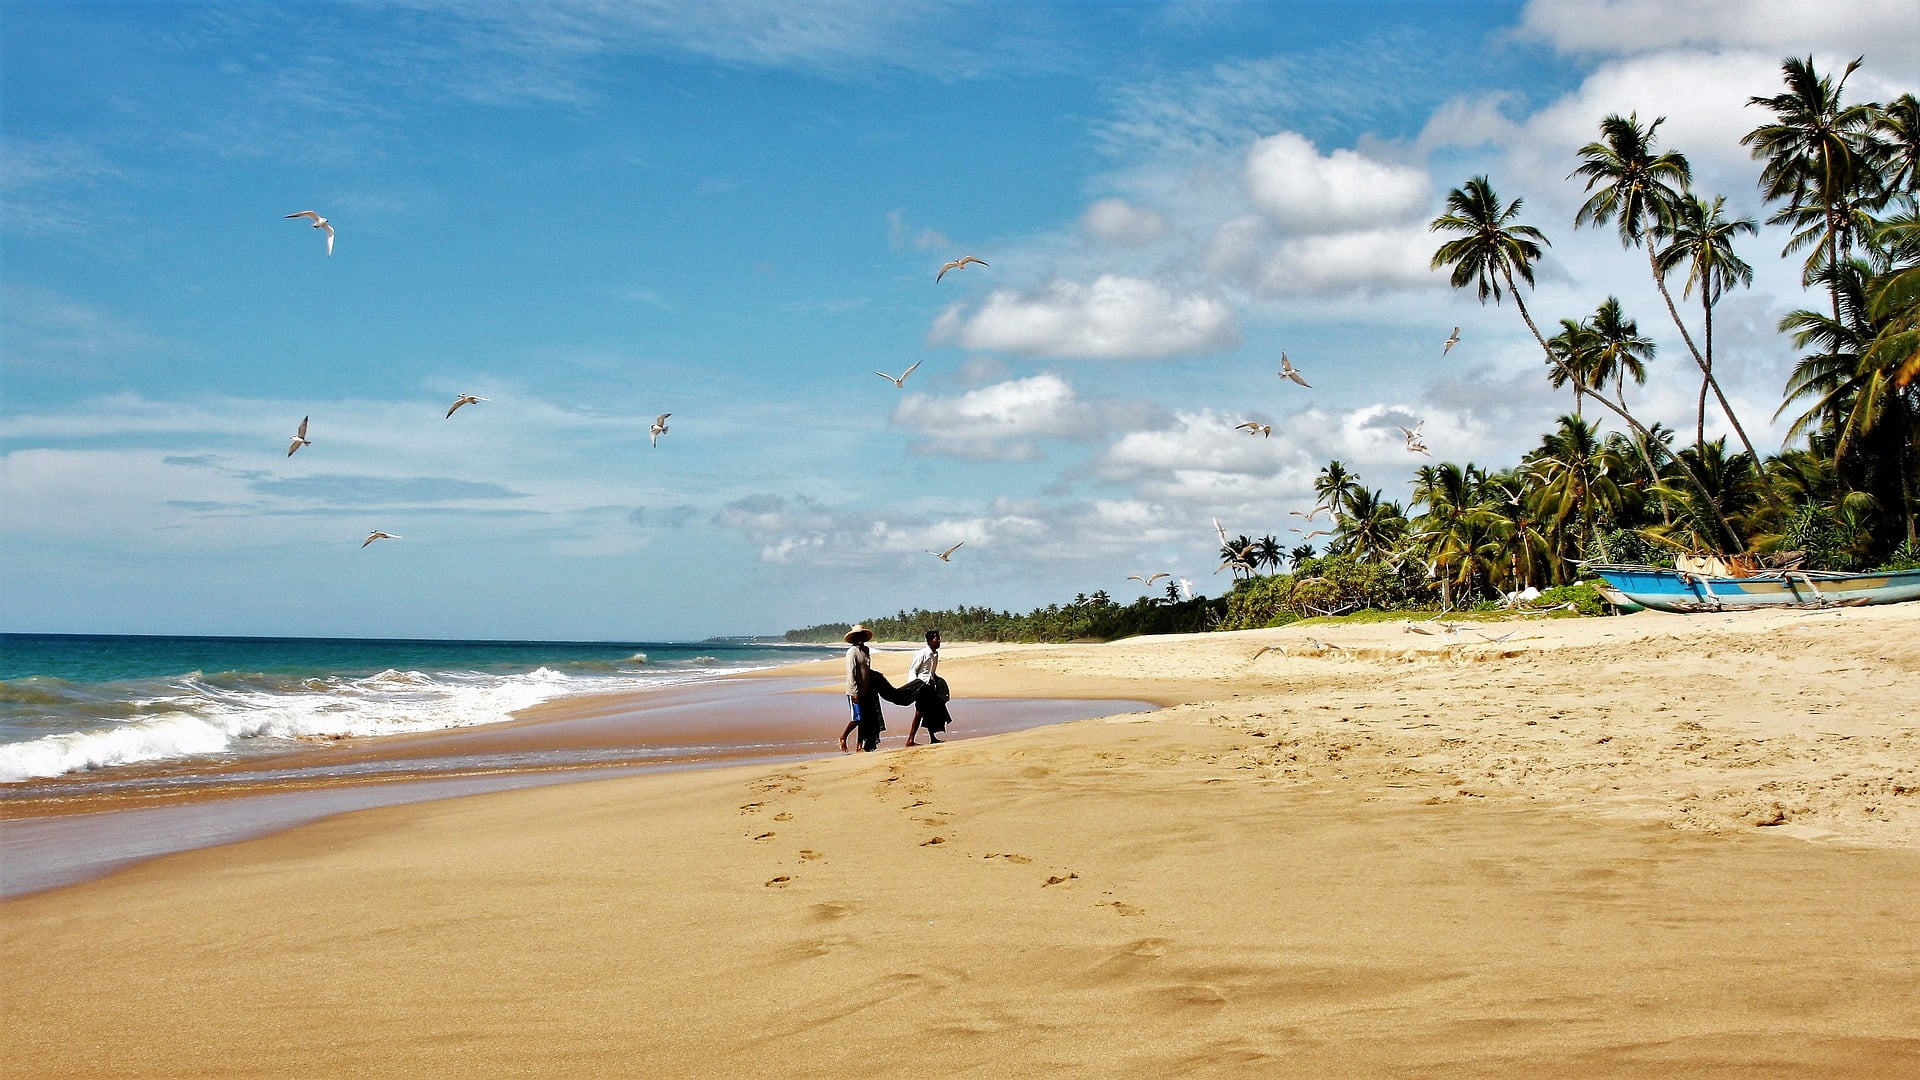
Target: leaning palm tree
{"points": [[1701, 239], [1372, 528], [1491, 251]]}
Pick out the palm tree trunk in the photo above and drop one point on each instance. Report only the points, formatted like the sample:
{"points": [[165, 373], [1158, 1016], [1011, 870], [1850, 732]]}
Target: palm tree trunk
{"points": [[1713, 504], [1705, 364], [1706, 376]]}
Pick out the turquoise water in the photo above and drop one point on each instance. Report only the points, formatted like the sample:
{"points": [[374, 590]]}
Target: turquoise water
{"points": [[72, 703]]}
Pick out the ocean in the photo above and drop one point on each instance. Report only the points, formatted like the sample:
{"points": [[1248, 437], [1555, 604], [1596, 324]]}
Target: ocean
{"points": [[73, 703]]}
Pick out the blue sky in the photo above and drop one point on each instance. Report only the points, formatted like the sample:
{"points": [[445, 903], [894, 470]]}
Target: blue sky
{"points": [[593, 213]]}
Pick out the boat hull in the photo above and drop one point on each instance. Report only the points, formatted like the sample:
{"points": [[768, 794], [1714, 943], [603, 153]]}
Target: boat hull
{"points": [[1678, 591]]}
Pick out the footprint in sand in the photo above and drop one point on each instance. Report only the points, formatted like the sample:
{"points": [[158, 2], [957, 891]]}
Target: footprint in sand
{"points": [[808, 855], [1009, 858], [1121, 908], [780, 882], [764, 836], [783, 816], [933, 841], [1056, 879], [751, 807]]}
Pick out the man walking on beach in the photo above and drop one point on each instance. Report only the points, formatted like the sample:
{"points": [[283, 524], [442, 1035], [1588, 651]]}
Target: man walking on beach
{"points": [[862, 695], [930, 698]]}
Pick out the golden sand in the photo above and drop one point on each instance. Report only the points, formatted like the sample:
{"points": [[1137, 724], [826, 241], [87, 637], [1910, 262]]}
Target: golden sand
{"points": [[1644, 846]]}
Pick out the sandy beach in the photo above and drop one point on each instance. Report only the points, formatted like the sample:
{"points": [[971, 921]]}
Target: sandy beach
{"points": [[1653, 845]]}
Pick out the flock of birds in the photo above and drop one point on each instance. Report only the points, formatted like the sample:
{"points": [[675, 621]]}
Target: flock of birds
{"points": [[1237, 557]]}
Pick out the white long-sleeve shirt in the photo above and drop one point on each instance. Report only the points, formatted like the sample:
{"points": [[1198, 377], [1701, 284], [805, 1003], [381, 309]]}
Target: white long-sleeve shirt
{"points": [[924, 663]]}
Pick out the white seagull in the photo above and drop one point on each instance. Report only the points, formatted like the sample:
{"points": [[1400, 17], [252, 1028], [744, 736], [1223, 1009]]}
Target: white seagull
{"points": [[947, 555], [1148, 581], [1414, 442], [957, 264], [378, 535], [658, 429], [1265, 431], [901, 381], [1288, 371], [300, 437], [1309, 515], [318, 223], [1311, 535], [1452, 340], [464, 399]]}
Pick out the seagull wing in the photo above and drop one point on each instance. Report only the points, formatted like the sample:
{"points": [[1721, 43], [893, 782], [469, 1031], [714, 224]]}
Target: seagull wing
{"points": [[888, 377], [303, 427], [909, 371], [1157, 577], [306, 214], [329, 229], [951, 550]]}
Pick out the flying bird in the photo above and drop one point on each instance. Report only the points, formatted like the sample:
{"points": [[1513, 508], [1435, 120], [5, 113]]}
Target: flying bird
{"points": [[1414, 442], [464, 399], [658, 429], [1452, 340], [1311, 535], [957, 264], [901, 381], [1288, 371], [1309, 515], [300, 437], [378, 535], [947, 555], [1148, 581], [318, 223], [1501, 640], [1265, 431]]}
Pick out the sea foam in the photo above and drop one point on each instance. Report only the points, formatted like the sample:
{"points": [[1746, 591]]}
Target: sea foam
{"points": [[196, 716]]}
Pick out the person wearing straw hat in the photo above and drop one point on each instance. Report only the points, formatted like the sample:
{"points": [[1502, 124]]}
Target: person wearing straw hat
{"points": [[862, 694]]}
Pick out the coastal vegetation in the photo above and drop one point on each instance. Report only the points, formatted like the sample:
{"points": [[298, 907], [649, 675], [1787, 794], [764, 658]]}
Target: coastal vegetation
{"points": [[1844, 179]]}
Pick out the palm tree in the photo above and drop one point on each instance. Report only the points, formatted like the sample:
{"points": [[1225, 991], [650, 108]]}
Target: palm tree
{"points": [[1372, 527], [1896, 131], [1267, 552], [1494, 250], [1452, 526], [1855, 389], [1620, 350], [1644, 194], [1572, 360], [1577, 483], [1701, 238], [1335, 487], [1814, 151], [1299, 555]]}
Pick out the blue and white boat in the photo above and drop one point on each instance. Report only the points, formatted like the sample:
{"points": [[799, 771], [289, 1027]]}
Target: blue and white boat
{"points": [[1687, 591]]}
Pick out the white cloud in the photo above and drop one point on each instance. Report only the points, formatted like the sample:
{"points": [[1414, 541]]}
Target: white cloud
{"points": [[1855, 27], [998, 422], [1113, 318], [1249, 251], [1305, 192], [1117, 221]]}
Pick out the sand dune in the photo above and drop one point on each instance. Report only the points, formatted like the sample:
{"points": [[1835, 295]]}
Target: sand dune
{"points": [[1650, 846]]}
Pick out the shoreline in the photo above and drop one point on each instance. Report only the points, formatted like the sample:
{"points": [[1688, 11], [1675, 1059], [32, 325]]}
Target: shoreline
{"points": [[1649, 845], [56, 832]]}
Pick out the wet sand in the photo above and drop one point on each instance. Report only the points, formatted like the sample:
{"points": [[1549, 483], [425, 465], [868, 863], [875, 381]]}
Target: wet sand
{"points": [[1649, 846]]}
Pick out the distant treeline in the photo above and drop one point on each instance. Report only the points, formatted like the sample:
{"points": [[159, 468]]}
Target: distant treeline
{"points": [[1094, 617]]}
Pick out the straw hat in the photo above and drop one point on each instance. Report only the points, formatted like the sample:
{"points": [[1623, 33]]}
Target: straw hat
{"points": [[858, 634]]}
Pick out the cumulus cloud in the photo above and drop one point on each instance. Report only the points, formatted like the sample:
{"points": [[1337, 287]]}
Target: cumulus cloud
{"points": [[1251, 252], [1117, 221], [1113, 318], [1303, 191], [1002, 421]]}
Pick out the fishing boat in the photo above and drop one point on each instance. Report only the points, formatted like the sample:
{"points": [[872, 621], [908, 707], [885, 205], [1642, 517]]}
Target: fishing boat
{"points": [[1688, 591]]}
